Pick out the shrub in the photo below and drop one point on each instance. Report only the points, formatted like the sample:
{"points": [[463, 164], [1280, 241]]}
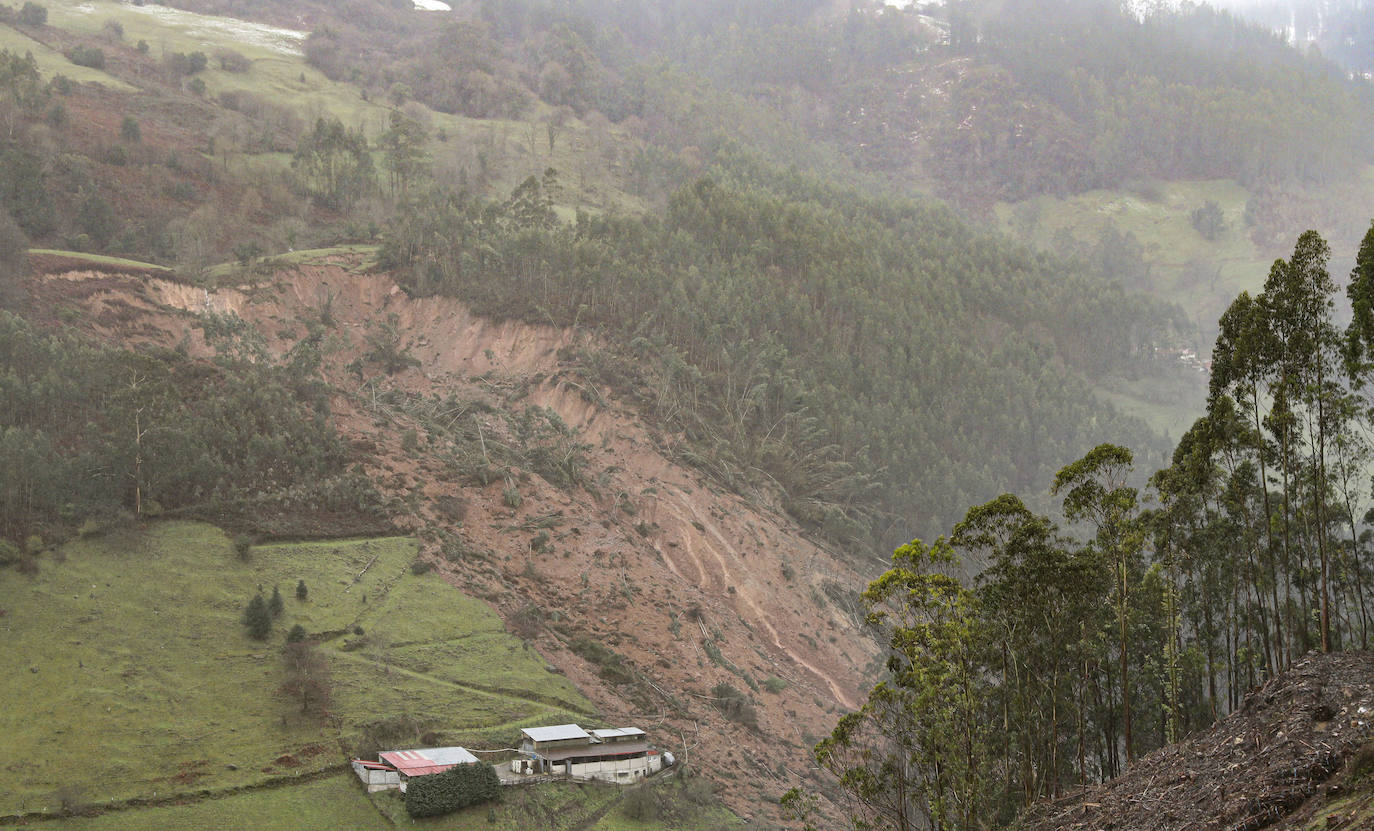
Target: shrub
{"points": [[640, 804], [296, 635], [129, 129], [301, 591], [14, 254], [774, 684], [231, 61], [89, 56], [243, 546], [180, 63], [257, 618], [33, 14], [735, 705], [276, 605], [458, 787], [421, 567], [1208, 221], [611, 664]]}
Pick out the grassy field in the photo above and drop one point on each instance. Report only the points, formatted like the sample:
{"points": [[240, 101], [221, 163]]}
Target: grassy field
{"points": [[98, 259], [51, 62], [1200, 275], [336, 802], [504, 151], [127, 653]]}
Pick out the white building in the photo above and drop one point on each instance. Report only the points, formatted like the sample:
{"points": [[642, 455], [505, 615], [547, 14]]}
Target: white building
{"points": [[620, 754]]}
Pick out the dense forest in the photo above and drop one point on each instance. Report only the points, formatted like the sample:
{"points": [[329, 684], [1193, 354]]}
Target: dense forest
{"points": [[96, 435], [850, 348], [1340, 30], [850, 351], [987, 98], [1129, 618]]}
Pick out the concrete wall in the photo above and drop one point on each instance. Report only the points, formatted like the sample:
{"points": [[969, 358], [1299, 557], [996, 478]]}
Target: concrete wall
{"points": [[377, 780], [623, 771]]}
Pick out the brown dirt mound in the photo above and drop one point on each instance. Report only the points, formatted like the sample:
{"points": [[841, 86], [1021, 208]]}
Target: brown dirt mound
{"points": [[1251, 770]]}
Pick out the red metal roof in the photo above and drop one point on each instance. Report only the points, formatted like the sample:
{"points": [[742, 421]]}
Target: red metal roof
{"points": [[426, 761]]}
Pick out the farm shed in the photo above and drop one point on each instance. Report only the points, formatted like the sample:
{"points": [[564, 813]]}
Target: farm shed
{"points": [[394, 767], [377, 776], [620, 754]]}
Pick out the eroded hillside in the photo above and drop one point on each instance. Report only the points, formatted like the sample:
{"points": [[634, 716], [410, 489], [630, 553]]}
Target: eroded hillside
{"points": [[539, 487], [1295, 756]]}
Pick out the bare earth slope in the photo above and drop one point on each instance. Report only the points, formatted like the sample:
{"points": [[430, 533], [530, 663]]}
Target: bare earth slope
{"points": [[1284, 760], [691, 584]]}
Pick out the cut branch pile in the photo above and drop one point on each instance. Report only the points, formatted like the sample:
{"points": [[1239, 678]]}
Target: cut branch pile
{"points": [[1251, 770]]}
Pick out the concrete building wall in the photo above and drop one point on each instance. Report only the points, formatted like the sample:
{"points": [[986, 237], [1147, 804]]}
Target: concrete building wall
{"points": [[377, 780]]}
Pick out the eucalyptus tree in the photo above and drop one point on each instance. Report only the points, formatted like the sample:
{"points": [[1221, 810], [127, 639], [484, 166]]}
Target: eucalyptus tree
{"points": [[1241, 370], [915, 756], [1096, 491], [1298, 298], [1039, 598]]}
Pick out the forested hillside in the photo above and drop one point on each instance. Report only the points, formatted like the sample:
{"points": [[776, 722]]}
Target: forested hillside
{"points": [[856, 351], [853, 352], [1130, 618]]}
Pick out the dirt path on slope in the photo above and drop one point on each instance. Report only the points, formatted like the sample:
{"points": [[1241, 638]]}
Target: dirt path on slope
{"points": [[742, 588]]}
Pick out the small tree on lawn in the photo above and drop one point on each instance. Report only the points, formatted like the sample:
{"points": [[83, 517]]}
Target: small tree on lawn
{"points": [[301, 591], [307, 678], [257, 618], [276, 605]]}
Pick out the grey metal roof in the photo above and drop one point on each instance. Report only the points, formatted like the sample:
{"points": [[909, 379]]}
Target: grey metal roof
{"points": [[556, 732], [617, 732]]}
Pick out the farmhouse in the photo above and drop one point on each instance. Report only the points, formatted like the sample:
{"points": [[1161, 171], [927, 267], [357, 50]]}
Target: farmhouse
{"points": [[620, 754], [395, 767]]}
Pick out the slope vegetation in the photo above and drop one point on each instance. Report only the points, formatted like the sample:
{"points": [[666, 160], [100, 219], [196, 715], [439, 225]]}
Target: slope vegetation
{"points": [[1298, 751]]}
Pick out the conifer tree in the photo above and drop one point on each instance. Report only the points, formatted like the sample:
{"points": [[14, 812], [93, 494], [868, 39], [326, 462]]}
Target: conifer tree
{"points": [[257, 618], [276, 605]]}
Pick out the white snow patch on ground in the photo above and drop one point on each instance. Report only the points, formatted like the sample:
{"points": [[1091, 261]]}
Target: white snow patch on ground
{"points": [[285, 41], [432, 6]]}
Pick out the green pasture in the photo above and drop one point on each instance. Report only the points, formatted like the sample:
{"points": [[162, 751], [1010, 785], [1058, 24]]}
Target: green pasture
{"points": [[52, 62], [98, 259], [338, 801], [130, 674]]}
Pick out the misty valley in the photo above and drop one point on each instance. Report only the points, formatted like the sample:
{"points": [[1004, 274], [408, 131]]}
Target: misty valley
{"points": [[609, 415]]}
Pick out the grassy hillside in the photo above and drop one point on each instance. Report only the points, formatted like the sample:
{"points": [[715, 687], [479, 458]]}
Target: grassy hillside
{"points": [[339, 802], [128, 653]]}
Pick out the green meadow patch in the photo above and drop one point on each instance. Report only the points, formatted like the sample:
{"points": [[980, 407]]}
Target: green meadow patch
{"points": [[129, 674], [52, 62]]}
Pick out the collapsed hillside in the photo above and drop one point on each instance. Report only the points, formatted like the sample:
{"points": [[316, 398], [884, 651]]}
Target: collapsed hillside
{"points": [[1301, 739], [532, 485]]}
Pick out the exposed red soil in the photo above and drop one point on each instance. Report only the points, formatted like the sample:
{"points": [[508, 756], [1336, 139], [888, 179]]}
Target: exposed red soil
{"points": [[1272, 764], [656, 547]]}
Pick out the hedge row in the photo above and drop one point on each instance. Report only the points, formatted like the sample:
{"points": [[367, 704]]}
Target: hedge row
{"points": [[457, 787]]}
